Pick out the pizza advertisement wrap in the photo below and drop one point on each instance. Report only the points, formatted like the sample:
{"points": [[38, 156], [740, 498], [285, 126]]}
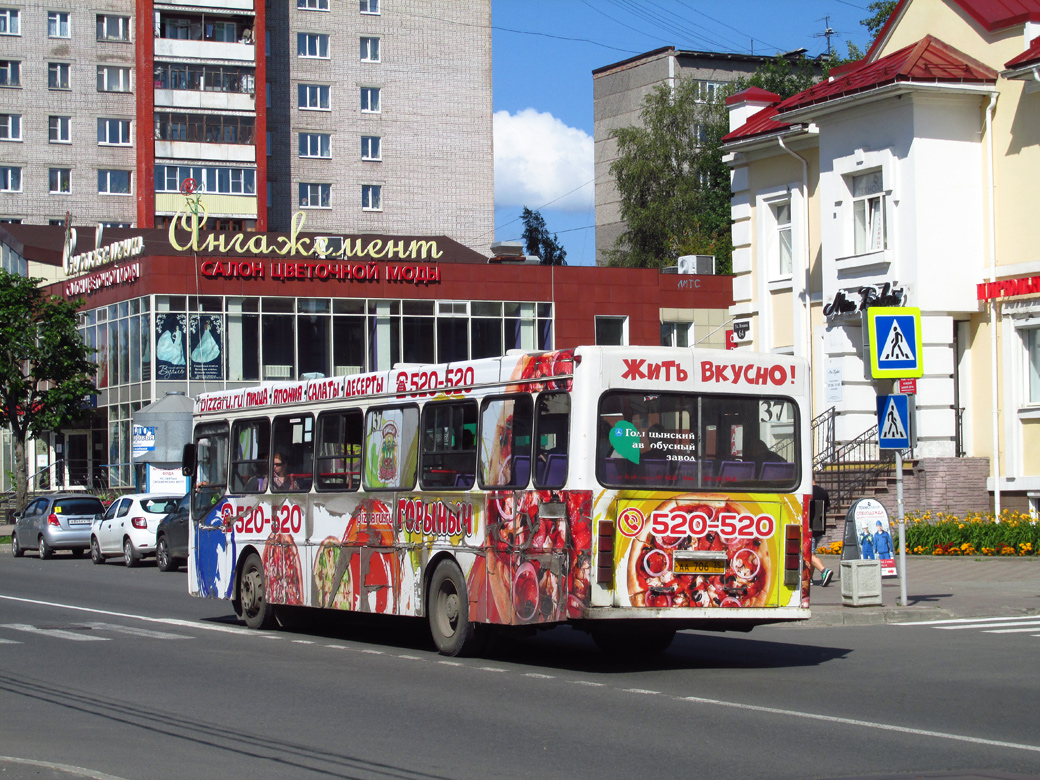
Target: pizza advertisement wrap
{"points": [[702, 550]]}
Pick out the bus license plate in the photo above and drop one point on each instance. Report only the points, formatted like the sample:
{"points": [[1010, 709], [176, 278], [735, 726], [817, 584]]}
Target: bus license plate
{"points": [[687, 566]]}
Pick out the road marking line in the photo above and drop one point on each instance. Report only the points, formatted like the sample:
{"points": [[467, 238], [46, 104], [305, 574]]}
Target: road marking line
{"points": [[451, 663], [641, 690], [1009, 630], [491, 669], [76, 770], [163, 621], [74, 636], [964, 620], [302, 642], [540, 676], [863, 724], [589, 683], [9, 642], [410, 657], [980, 626], [137, 631]]}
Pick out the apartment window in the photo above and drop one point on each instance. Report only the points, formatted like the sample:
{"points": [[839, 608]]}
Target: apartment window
{"points": [[59, 129], [9, 21], [113, 28], [782, 215], [60, 180], [612, 331], [369, 49], [58, 24], [370, 100], [315, 196], [113, 132], [371, 197], [315, 145], [10, 179], [10, 127], [707, 90], [10, 73], [868, 209], [312, 45], [58, 75], [113, 182], [113, 79], [224, 32], [369, 6], [370, 148], [1032, 338], [676, 334], [314, 97], [312, 5], [221, 181]]}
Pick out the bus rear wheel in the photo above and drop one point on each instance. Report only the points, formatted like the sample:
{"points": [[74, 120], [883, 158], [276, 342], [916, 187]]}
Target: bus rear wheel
{"points": [[448, 611], [252, 594]]}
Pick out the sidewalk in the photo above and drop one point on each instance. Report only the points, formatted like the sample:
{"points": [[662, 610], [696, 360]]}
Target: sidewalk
{"points": [[938, 588]]}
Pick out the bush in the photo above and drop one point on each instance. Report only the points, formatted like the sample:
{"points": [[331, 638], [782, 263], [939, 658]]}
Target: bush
{"points": [[978, 533]]}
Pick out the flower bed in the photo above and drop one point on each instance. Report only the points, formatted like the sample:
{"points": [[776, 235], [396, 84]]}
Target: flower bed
{"points": [[978, 533]]}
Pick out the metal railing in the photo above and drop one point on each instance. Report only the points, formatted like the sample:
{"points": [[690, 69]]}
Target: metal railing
{"points": [[823, 437]]}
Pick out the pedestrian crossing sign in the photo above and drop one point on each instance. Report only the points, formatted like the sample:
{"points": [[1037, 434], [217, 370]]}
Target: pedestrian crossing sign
{"points": [[895, 342], [895, 425]]}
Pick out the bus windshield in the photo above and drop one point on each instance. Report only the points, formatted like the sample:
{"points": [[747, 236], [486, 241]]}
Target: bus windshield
{"points": [[684, 441]]}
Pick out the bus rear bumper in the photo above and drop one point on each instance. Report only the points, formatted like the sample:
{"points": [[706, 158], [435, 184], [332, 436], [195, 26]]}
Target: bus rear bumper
{"points": [[712, 619]]}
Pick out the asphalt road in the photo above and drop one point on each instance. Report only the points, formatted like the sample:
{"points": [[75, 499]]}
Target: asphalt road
{"points": [[110, 672]]}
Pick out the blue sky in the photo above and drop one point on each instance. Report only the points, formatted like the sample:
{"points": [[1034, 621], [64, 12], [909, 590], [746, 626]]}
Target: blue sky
{"points": [[544, 52]]}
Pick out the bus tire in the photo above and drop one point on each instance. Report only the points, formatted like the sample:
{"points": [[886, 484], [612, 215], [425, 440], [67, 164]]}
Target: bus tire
{"points": [[453, 632], [252, 594], [632, 641]]}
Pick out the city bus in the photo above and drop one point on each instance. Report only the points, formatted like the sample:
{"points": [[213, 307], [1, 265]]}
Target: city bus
{"points": [[628, 491]]}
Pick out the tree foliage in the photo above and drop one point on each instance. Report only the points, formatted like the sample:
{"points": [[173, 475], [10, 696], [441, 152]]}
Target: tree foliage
{"points": [[537, 240], [880, 11], [45, 368]]}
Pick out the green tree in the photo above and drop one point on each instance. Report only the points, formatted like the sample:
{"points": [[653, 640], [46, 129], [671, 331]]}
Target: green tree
{"points": [[45, 368], [537, 240], [880, 11]]}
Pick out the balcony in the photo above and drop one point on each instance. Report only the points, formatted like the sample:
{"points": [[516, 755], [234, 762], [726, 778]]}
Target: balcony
{"points": [[200, 150], [204, 50], [245, 6], [185, 98]]}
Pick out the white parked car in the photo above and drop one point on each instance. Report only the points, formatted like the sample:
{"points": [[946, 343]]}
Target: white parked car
{"points": [[128, 526]]}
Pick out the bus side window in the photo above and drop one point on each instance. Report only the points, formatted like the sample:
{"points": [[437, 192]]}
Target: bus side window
{"points": [[292, 451], [250, 440], [211, 471], [505, 441], [552, 426], [338, 464], [449, 445]]}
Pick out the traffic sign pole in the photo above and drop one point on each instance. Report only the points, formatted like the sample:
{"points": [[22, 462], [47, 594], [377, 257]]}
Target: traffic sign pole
{"points": [[902, 529]]}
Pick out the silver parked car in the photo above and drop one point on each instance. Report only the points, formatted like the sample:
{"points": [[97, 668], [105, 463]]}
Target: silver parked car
{"points": [[58, 521]]}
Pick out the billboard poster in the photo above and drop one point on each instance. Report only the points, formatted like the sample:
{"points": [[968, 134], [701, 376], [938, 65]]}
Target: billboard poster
{"points": [[868, 520], [207, 341], [170, 360]]}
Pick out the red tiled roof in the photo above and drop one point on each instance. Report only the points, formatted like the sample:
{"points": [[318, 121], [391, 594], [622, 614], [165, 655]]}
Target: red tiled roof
{"points": [[760, 123], [1030, 54], [929, 61], [992, 15]]}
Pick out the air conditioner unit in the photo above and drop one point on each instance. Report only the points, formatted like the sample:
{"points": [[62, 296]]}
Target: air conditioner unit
{"points": [[703, 265]]}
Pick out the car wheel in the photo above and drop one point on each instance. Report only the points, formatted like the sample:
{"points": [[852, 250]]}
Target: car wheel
{"points": [[45, 549], [252, 590], [16, 549], [452, 631], [163, 559], [95, 551], [130, 556]]}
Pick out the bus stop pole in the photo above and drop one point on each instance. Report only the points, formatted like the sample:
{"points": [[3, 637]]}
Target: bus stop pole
{"points": [[902, 528]]}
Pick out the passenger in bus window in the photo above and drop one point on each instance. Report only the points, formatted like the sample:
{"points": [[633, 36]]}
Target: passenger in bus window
{"points": [[759, 452], [282, 479], [257, 483]]}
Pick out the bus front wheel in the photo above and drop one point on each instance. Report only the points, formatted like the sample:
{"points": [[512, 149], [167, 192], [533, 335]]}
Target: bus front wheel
{"points": [[448, 611], [252, 594]]}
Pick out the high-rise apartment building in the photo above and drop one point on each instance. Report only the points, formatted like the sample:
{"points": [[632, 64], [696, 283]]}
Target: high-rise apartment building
{"points": [[368, 116]]}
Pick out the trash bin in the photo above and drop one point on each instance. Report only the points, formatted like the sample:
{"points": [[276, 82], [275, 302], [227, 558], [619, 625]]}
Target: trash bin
{"points": [[861, 583]]}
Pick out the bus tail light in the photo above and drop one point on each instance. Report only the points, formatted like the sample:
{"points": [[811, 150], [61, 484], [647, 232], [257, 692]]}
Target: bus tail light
{"points": [[52, 519], [139, 522], [792, 555], [605, 561]]}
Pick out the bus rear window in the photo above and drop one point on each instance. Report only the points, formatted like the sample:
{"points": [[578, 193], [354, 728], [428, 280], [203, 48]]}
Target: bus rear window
{"points": [[678, 441]]}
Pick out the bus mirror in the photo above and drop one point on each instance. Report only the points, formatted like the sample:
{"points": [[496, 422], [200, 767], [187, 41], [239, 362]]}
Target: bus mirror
{"points": [[188, 460], [819, 518]]}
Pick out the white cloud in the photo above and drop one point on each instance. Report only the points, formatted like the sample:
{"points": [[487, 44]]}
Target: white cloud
{"points": [[540, 161]]}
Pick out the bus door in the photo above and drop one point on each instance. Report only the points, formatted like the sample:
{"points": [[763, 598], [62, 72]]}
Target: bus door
{"points": [[212, 532]]}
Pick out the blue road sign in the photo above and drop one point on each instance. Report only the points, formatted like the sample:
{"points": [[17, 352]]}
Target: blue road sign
{"points": [[893, 414], [895, 342]]}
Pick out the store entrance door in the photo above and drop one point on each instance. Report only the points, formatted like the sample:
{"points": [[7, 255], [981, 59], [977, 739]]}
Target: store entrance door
{"points": [[77, 459]]}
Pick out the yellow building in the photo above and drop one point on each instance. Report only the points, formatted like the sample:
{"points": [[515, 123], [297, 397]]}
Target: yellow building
{"points": [[907, 179]]}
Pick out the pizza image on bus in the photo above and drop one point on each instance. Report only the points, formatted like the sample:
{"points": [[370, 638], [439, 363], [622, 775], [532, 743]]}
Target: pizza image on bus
{"points": [[332, 579], [282, 569], [703, 551]]}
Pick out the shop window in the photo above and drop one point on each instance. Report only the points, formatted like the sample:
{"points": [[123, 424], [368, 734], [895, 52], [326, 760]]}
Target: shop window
{"points": [[611, 331], [676, 334], [1032, 339]]}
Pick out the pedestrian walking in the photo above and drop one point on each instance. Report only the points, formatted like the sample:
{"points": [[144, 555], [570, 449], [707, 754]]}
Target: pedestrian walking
{"points": [[819, 496]]}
